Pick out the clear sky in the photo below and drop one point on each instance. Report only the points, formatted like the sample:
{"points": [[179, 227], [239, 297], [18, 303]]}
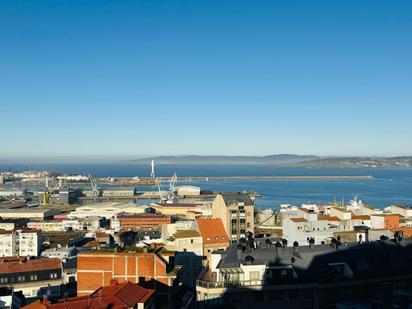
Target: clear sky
{"points": [[135, 78]]}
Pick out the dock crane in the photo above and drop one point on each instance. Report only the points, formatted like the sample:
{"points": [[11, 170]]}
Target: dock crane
{"points": [[95, 191]]}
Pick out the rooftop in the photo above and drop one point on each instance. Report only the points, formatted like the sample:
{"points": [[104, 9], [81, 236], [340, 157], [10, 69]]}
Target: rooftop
{"points": [[210, 229], [328, 218], [116, 296], [20, 264], [237, 197]]}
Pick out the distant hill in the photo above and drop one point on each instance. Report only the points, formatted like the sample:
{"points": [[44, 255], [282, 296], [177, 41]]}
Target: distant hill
{"points": [[193, 159], [284, 160], [353, 162]]}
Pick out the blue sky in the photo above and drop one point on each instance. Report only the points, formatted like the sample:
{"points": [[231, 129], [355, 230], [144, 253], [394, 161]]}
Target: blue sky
{"points": [[136, 78]]}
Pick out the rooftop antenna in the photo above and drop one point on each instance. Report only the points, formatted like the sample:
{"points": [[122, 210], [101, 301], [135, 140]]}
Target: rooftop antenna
{"points": [[153, 173]]}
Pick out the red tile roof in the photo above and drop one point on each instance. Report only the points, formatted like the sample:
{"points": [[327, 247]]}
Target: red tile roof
{"points": [[361, 217], [20, 264], [212, 231], [117, 296], [298, 220], [329, 218]]}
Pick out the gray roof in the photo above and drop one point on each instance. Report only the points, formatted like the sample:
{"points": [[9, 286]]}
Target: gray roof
{"points": [[313, 263], [236, 197]]}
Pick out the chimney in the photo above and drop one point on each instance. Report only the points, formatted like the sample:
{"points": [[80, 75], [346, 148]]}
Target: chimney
{"points": [[45, 300], [114, 281]]}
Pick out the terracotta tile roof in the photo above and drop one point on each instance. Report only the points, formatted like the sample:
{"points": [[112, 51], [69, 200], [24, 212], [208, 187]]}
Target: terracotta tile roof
{"points": [[19, 265], [407, 231], [361, 217], [298, 220], [212, 231], [328, 218], [117, 296], [186, 234]]}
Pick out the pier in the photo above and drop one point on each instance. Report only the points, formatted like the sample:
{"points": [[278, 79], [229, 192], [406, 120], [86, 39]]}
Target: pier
{"points": [[241, 178]]}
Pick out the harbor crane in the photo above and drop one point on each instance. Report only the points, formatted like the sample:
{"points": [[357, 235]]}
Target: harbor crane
{"points": [[95, 191]]}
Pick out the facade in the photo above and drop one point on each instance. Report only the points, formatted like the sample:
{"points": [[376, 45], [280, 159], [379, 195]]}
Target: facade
{"points": [[34, 278], [125, 296], [142, 221], [385, 221], [46, 226], [24, 242], [188, 245], [236, 210], [8, 243], [150, 269], [305, 277], [214, 235], [30, 242]]}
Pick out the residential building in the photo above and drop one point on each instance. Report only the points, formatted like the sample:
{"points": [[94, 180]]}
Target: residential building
{"points": [[117, 295], [30, 242], [401, 210], [8, 243], [301, 229], [214, 235], [46, 226], [152, 269], [385, 221], [34, 277], [188, 245], [25, 242], [316, 276], [7, 225], [236, 210]]}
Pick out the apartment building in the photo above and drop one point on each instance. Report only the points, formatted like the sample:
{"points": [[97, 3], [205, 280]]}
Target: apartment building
{"points": [[145, 221], [319, 276], [34, 277], [236, 210], [25, 242]]}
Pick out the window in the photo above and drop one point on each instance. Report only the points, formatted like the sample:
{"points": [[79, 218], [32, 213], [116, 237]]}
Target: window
{"points": [[254, 275], [191, 241], [53, 276], [216, 237], [207, 238], [223, 238]]}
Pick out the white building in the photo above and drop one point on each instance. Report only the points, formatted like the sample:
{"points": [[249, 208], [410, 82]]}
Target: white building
{"points": [[400, 210], [30, 242], [61, 253], [107, 210], [20, 242], [8, 243]]}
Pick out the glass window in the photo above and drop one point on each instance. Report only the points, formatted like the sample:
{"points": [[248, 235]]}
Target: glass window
{"points": [[254, 275]]}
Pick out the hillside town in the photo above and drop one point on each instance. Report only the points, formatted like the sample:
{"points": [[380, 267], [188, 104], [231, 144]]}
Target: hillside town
{"points": [[197, 249]]}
